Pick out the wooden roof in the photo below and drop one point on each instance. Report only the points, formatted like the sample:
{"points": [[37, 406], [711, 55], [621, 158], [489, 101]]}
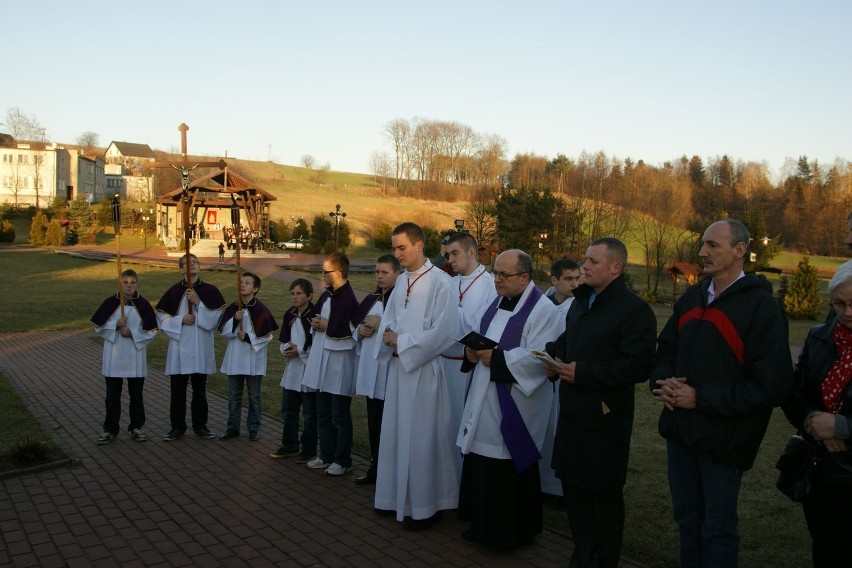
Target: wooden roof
{"points": [[688, 269], [214, 189]]}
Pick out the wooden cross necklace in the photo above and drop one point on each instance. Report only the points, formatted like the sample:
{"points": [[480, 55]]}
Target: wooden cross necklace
{"points": [[411, 284]]}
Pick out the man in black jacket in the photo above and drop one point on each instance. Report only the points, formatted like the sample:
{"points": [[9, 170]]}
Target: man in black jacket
{"points": [[606, 348], [723, 362]]}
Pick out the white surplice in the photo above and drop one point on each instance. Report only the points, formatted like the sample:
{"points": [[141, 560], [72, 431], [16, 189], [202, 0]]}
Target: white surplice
{"points": [[331, 363], [291, 379], [532, 392], [243, 357], [125, 357], [190, 346], [372, 376], [416, 471], [474, 293]]}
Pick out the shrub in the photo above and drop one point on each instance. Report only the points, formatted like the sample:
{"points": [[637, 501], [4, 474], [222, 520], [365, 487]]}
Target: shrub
{"points": [[89, 236], [53, 236], [28, 450], [382, 236], [38, 228], [802, 298], [7, 232]]}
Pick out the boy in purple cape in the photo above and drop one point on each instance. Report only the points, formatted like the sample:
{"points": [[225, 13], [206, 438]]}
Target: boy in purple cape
{"points": [[126, 339], [248, 330]]}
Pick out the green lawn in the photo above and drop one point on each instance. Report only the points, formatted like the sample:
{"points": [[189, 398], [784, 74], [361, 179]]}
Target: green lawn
{"points": [[62, 292]]}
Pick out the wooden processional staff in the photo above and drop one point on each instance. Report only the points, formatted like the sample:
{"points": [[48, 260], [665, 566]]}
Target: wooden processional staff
{"points": [[116, 225]]}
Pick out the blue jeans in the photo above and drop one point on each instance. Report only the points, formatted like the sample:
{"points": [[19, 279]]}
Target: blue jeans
{"points": [[335, 428], [704, 505], [235, 401]]}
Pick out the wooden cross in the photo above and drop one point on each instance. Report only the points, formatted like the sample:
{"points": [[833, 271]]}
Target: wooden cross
{"points": [[184, 168]]}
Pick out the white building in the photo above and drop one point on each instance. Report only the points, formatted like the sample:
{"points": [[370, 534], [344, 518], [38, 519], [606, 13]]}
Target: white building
{"points": [[35, 173]]}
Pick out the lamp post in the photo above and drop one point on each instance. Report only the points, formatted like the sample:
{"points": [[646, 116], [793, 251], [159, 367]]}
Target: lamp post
{"points": [[145, 218], [542, 237], [337, 215]]}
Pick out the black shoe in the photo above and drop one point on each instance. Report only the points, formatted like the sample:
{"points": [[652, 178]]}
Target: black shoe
{"points": [[366, 479], [384, 512], [173, 435], [253, 436], [205, 433], [283, 452], [228, 434], [415, 525]]}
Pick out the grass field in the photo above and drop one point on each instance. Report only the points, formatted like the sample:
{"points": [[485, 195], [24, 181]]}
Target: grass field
{"points": [[62, 292]]}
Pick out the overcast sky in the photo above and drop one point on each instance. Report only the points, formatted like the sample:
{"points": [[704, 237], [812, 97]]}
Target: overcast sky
{"points": [[757, 80]]}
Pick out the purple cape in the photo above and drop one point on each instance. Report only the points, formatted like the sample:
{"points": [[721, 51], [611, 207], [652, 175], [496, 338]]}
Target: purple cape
{"points": [[143, 306], [345, 304], [210, 296]]}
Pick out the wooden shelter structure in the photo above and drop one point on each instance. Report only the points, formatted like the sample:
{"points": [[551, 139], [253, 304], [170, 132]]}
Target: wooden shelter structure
{"points": [[210, 204], [689, 272]]}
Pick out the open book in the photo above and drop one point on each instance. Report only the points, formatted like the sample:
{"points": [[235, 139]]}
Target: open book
{"points": [[476, 341]]}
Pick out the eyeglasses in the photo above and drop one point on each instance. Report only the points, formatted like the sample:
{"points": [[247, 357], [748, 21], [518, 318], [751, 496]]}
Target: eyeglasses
{"points": [[841, 306], [503, 275]]}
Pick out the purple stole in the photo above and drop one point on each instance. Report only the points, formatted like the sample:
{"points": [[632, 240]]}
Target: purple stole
{"points": [[292, 315], [262, 320], [345, 304], [143, 306], [210, 296], [516, 436]]}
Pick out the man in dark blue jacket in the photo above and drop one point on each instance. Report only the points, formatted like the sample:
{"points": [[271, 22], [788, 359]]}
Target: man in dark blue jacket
{"points": [[723, 362], [606, 349]]}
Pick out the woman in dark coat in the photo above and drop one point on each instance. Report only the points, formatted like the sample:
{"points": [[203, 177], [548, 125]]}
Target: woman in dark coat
{"points": [[820, 407]]}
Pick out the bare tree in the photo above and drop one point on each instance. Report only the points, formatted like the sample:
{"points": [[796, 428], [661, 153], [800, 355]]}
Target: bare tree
{"points": [[481, 217], [308, 162], [380, 164], [88, 140], [23, 126]]}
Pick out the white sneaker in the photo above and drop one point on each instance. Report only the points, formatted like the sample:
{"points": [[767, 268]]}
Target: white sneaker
{"points": [[317, 463], [105, 438], [337, 469], [138, 434]]}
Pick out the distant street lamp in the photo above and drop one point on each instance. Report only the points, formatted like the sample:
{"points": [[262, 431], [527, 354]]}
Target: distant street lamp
{"points": [[337, 215], [145, 218]]}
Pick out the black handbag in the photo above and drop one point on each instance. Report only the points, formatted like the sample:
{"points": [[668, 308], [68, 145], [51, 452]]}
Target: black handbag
{"points": [[798, 466]]}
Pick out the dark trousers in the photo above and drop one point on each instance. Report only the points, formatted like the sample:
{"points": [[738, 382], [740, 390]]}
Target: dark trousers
{"points": [[828, 511], [334, 419], [177, 407], [113, 403], [704, 506], [375, 411], [291, 401], [597, 526]]}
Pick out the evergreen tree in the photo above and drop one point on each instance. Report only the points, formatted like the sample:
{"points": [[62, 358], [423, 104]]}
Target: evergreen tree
{"points": [[80, 213], [53, 236], [38, 228], [802, 298]]}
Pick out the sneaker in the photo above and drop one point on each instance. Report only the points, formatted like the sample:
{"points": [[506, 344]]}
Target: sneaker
{"points": [[303, 458], [228, 434], [173, 435], [105, 438], [205, 433], [336, 470], [138, 434], [284, 453], [253, 436], [317, 463]]}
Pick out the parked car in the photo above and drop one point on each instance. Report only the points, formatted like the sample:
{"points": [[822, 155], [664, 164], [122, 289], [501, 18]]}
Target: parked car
{"points": [[294, 244]]}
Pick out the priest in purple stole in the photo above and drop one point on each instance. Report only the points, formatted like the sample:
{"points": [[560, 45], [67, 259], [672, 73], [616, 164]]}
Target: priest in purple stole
{"points": [[506, 411]]}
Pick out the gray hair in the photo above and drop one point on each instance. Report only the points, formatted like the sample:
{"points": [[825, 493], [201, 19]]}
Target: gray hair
{"points": [[842, 276], [739, 233], [524, 263]]}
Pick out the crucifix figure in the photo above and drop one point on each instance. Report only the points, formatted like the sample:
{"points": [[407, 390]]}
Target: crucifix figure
{"points": [[184, 168]]}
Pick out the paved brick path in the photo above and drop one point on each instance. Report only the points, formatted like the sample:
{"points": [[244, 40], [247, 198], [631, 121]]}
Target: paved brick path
{"points": [[193, 501]]}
